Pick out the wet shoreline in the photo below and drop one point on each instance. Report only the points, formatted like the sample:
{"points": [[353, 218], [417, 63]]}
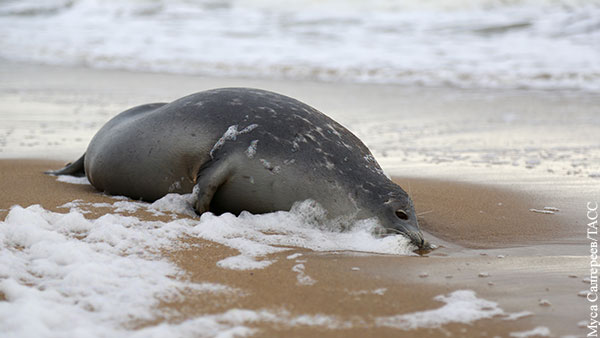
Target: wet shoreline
{"points": [[524, 152], [519, 273]]}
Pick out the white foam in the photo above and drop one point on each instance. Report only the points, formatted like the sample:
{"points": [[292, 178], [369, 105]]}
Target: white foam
{"points": [[170, 203], [540, 331], [462, 306], [294, 256], [72, 179], [181, 204], [234, 320], [462, 43], [243, 262], [301, 276], [379, 292], [237, 318], [257, 236], [65, 276], [518, 315]]}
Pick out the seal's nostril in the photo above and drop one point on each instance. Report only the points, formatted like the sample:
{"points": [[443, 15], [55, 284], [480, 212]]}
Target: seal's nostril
{"points": [[401, 214]]}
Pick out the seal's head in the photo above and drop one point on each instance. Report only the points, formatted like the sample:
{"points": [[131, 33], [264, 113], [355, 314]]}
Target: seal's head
{"points": [[398, 216]]}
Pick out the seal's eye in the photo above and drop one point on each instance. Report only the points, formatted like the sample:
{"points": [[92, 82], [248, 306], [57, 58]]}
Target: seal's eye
{"points": [[402, 214]]}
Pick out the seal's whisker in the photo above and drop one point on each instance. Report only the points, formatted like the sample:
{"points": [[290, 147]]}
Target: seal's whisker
{"points": [[424, 213]]}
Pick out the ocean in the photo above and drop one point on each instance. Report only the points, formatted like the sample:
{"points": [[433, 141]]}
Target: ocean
{"points": [[496, 44]]}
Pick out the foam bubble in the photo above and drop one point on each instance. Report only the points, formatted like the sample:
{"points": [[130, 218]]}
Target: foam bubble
{"points": [[462, 306], [301, 276], [540, 331], [73, 179], [181, 204], [63, 275], [243, 262], [254, 236], [518, 315]]}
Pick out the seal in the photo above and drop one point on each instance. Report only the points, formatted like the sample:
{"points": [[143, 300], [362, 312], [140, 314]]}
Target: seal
{"points": [[244, 149]]}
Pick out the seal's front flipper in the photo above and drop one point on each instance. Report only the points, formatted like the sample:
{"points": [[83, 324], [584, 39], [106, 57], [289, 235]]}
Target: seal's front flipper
{"points": [[211, 176], [74, 169]]}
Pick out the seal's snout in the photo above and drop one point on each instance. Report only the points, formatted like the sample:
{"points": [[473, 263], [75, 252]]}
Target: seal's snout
{"points": [[405, 223], [412, 232], [417, 239]]}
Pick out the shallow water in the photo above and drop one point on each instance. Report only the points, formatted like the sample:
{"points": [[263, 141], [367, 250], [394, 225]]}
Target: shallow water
{"points": [[131, 268], [64, 266]]}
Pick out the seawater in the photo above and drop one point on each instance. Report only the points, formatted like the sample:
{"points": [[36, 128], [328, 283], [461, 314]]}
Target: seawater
{"points": [[62, 275], [541, 44]]}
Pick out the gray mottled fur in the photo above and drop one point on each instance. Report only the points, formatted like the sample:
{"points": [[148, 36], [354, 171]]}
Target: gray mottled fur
{"points": [[246, 149]]}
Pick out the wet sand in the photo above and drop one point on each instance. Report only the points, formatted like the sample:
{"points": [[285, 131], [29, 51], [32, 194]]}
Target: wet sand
{"points": [[474, 162], [542, 257]]}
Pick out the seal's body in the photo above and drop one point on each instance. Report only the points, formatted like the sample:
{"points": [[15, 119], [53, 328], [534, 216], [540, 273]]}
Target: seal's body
{"points": [[244, 149]]}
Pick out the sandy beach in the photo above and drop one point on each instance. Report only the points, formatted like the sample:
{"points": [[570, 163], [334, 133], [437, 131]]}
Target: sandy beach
{"points": [[529, 266], [535, 265]]}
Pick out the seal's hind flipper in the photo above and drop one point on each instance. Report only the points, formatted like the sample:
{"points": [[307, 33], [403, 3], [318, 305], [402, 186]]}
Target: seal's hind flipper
{"points": [[74, 169], [210, 177]]}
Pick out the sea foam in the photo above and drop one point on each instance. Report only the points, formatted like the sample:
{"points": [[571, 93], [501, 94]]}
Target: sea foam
{"points": [[474, 44], [62, 275]]}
